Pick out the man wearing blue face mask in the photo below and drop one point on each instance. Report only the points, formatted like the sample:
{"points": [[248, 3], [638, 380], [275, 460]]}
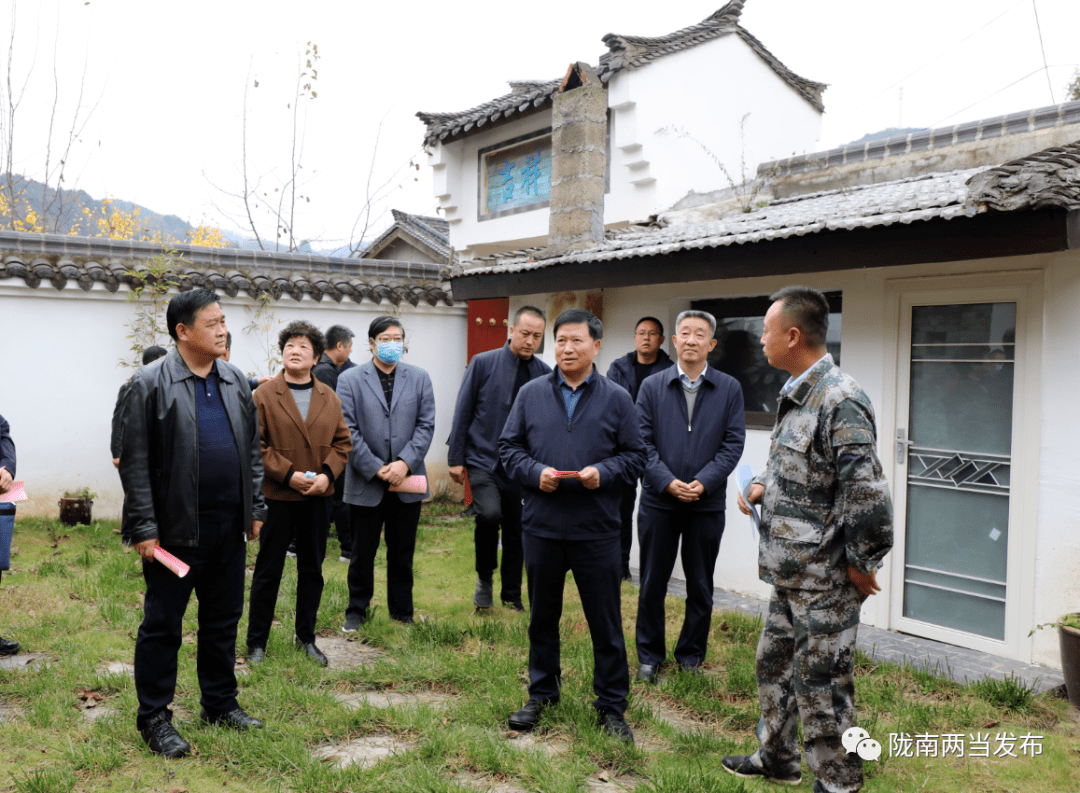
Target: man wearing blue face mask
{"points": [[389, 408]]}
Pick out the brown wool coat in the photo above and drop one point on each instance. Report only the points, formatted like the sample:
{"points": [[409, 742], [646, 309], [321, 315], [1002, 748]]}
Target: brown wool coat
{"points": [[292, 444]]}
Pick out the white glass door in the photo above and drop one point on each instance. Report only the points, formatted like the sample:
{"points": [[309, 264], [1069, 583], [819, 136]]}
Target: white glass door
{"points": [[953, 457]]}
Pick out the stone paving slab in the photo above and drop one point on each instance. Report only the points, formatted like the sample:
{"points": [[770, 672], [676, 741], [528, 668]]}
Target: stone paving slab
{"points": [[959, 663], [363, 752]]}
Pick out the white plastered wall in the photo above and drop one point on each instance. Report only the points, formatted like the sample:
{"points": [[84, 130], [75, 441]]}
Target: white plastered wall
{"points": [[704, 91], [62, 376], [1051, 581]]}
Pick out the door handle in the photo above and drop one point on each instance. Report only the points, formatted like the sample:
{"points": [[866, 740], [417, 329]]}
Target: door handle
{"points": [[901, 445]]}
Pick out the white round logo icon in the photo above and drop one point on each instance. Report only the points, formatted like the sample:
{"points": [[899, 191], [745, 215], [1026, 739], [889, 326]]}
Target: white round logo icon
{"points": [[869, 749], [851, 738]]}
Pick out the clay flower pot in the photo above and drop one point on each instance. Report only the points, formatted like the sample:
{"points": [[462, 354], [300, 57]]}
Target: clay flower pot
{"points": [[75, 510], [1069, 638]]}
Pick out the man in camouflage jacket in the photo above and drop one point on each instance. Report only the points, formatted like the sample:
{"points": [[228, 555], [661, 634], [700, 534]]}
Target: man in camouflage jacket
{"points": [[826, 525]]}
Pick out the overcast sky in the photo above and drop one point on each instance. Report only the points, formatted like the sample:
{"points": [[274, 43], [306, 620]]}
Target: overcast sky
{"points": [[163, 83]]}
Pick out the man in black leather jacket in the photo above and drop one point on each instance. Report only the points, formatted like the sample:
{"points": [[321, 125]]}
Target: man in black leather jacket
{"points": [[192, 471]]}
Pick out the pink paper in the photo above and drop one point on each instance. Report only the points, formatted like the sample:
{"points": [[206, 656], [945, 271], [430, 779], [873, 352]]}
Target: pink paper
{"points": [[180, 568], [17, 493], [411, 484]]}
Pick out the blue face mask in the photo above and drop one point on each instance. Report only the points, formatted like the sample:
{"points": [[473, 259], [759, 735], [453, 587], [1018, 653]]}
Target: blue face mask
{"points": [[390, 351]]}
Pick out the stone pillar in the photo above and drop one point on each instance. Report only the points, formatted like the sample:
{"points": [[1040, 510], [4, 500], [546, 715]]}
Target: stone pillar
{"points": [[578, 163]]}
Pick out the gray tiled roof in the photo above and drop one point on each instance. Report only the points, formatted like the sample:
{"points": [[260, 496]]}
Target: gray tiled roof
{"points": [[624, 52], [927, 140], [433, 232], [81, 261], [939, 195]]}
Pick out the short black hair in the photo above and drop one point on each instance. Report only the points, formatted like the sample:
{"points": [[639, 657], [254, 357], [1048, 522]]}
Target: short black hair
{"points": [[185, 307], [572, 316], [379, 324], [659, 324], [298, 328], [808, 310], [151, 354], [532, 311], [337, 334]]}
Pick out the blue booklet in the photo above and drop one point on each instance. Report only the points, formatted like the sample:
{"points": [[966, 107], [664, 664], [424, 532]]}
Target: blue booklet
{"points": [[744, 475]]}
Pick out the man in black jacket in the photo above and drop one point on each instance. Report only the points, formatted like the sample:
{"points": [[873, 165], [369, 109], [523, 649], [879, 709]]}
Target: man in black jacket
{"points": [[192, 471], [573, 443], [150, 354], [693, 425], [332, 363], [630, 372], [489, 388], [7, 511]]}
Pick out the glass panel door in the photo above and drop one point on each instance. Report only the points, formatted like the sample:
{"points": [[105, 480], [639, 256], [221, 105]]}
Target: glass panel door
{"points": [[959, 447]]}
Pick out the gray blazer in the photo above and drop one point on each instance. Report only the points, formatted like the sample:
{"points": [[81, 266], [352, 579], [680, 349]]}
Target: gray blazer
{"points": [[381, 435]]}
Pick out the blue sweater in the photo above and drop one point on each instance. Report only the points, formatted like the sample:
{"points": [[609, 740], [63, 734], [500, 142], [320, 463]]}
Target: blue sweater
{"points": [[483, 404], [707, 448], [603, 433]]}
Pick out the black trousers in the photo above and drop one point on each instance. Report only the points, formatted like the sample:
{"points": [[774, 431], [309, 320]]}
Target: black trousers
{"points": [[659, 533], [626, 514], [595, 565], [400, 520], [217, 578], [308, 521], [498, 504]]}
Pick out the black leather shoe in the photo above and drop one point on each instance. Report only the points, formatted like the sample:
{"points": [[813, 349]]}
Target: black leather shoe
{"points": [[255, 656], [647, 673], [237, 719], [482, 598], [742, 766], [313, 652], [615, 725], [162, 737], [8, 647], [528, 717]]}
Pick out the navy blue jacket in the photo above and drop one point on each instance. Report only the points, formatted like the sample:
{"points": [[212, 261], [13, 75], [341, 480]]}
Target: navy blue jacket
{"points": [[604, 433], [7, 458], [706, 449], [483, 403], [621, 370]]}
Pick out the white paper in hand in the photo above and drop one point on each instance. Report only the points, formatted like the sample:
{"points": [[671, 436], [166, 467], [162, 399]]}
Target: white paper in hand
{"points": [[744, 475]]}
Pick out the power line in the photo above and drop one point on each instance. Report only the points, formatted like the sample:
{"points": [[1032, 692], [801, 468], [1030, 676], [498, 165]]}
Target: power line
{"points": [[935, 59], [1042, 46], [1010, 85]]}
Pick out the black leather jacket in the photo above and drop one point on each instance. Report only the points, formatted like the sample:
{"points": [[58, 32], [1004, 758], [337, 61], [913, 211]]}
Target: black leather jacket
{"points": [[159, 460]]}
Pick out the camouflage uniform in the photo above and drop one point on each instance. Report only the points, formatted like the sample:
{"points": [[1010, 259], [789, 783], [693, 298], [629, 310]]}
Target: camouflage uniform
{"points": [[826, 506]]}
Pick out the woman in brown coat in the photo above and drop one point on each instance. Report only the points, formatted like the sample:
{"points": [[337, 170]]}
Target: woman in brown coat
{"points": [[305, 444]]}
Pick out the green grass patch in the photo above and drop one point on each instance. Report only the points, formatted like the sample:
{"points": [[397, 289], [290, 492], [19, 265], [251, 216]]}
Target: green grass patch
{"points": [[75, 598]]}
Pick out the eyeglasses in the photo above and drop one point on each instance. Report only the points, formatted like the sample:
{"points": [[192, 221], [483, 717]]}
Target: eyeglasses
{"points": [[383, 339], [647, 334]]}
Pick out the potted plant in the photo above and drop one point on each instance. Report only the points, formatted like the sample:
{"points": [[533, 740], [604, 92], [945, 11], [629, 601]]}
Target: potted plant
{"points": [[75, 506], [1068, 628]]}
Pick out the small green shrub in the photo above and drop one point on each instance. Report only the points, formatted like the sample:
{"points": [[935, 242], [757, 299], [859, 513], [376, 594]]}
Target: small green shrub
{"points": [[1012, 693]]}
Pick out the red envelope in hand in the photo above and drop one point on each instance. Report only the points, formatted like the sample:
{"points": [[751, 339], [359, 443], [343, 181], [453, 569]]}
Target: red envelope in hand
{"points": [[567, 475], [411, 484]]}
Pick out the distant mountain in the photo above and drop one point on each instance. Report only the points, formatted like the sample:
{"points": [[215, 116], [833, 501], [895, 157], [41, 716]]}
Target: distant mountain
{"points": [[888, 132], [65, 210], [67, 213]]}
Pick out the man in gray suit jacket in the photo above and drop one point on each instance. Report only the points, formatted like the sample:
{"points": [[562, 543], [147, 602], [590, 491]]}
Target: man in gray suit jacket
{"points": [[389, 408]]}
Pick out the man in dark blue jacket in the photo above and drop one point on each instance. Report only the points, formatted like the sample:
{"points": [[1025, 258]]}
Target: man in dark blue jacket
{"points": [[693, 425], [489, 388], [7, 510], [573, 443], [630, 372]]}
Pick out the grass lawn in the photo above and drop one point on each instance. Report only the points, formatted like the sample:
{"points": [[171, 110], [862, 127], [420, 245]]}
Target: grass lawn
{"points": [[432, 699]]}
